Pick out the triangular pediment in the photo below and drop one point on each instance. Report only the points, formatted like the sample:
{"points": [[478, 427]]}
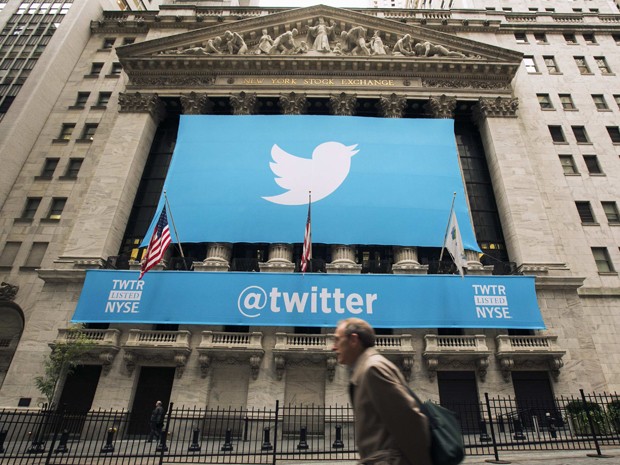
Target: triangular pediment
{"points": [[318, 40]]}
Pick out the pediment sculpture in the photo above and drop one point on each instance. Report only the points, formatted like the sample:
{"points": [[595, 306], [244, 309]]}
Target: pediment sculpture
{"points": [[321, 38]]}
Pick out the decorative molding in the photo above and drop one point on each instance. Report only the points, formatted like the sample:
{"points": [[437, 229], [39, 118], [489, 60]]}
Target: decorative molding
{"points": [[141, 103], [342, 104], [8, 291], [441, 107], [447, 83], [172, 80], [243, 103], [195, 104], [232, 348], [331, 364], [218, 257], [293, 104], [392, 106], [280, 365], [500, 107], [529, 352]]}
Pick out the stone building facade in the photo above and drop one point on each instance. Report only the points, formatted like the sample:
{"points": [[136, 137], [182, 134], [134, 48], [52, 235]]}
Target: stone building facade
{"points": [[536, 103]]}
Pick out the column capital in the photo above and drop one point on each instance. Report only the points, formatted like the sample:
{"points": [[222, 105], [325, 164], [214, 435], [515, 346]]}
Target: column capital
{"points": [[293, 104], [243, 103], [195, 104], [392, 106], [142, 103], [500, 107], [342, 104], [441, 107]]}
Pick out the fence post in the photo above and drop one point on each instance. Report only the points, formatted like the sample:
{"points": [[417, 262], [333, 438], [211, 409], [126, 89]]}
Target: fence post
{"points": [[162, 447], [586, 406], [495, 451], [37, 445], [275, 433], [3, 435]]}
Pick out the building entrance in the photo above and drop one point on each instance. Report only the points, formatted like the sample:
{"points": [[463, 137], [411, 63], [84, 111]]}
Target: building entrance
{"points": [[79, 389], [534, 397], [155, 383], [459, 393]]}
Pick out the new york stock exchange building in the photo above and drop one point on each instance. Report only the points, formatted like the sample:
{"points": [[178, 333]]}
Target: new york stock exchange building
{"points": [[383, 122]]}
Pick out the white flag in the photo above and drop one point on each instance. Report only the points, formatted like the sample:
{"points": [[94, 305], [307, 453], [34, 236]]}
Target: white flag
{"points": [[454, 244]]}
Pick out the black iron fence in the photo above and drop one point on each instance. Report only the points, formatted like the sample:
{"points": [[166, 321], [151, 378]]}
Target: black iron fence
{"points": [[193, 435]]}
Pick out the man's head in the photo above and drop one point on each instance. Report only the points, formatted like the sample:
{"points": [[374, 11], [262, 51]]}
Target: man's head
{"points": [[158, 403], [353, 336]]}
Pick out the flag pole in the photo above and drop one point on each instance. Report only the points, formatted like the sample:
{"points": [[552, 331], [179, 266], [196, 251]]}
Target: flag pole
{"points": [[443, 246], [176, 234]]}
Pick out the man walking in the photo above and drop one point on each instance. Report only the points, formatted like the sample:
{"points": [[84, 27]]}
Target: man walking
{"points": [[389, 427], [156, 422]]}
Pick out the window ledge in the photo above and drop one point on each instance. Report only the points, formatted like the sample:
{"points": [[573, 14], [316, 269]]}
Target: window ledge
{"points": [[29, 268], [608, 74], [84, 141], [537, 72], [43, 178], [76, 107], [590, 224], [50, 220], [112, 75], [608, 273], [598, 174], [570, 109], [67, 178], [91, 76], [6, 267], [60, 141], [615, 224], [23, 220], [584, 143], [548, 109], [604, 109], [99, 107], [561, 143], [587, 74], [555, 73], [572, 174], [105, 49]]}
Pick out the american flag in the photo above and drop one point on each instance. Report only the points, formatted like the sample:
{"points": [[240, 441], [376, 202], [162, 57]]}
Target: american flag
{"points": [[158, 245], [306, 254]]}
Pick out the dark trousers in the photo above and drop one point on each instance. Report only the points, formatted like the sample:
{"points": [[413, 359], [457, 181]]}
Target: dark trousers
{"points": [[155, 430]]}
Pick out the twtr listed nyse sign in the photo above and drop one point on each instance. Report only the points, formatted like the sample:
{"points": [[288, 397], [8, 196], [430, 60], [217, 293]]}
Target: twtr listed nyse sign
{"points": [[316, 299]]}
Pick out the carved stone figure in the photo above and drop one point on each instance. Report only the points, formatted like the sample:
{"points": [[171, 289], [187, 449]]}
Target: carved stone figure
{"points": [[376, 45], [428, 49], [234, 43], [403, 46], [284, 43], [320, 35], [265, 43], [354, 41], [213, 45], [194, 51]]}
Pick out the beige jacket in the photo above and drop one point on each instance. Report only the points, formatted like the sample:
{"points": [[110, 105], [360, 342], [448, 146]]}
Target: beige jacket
{"points": [[389, 427]]}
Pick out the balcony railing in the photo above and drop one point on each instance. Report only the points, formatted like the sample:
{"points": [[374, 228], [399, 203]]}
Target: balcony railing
{"points": [[515, 351], [168, 346], [101, 344], [220, 345], [442, 350]]}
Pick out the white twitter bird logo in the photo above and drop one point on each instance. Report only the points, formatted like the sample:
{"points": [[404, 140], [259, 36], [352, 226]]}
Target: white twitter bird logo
{"points": [[322, 174]]}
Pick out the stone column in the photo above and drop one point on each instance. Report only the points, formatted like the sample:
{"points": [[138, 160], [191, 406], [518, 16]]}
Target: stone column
{"points": [[195, 104], [529, 237], [392, 106], [406, 261], [218, 257], [474, 266], [342, 104], [293, 104], [343, 260], [280, 259], [101, 221], [441, 107], [243, 103]]}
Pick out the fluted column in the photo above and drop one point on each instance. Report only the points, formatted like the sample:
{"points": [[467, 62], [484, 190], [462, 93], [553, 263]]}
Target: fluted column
{"points": [[195, 104], [406, 261], [280, 259], [293, 104], [441, 107], [243, 103], [392, 106], [474, 266], [342, 104], [343, 260], [100, 224], [218, 257]]}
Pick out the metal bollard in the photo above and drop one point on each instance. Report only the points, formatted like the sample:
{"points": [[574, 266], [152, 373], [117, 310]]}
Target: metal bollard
{"points": [[553, 431], [108, 448], [246, 428], [62, 445], [518, 427], [303, 444], [227, 446], [3, 435], [484, 436], [266, 442], [194, 446], [161, 446], [36, 447], [338, 444]]}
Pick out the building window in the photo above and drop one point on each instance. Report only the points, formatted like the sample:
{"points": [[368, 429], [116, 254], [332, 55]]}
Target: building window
{"points": [[599, 102], [592, 164], [35, 257], [544, 101], [73, 168], [7, 258], [49, 166], [520, 37], [568, 164], [551, 64], [128, 40], [614, 133], [540, 38], [567, 102], [116, 69], [66, 131], [617, 100], [601, 62], [532, 10], [585, 212], [580, 134], [82, 98], [103, 99], [108, 43], [582, 65], [56, 208], [30, 209], [611, 212], [530, 65], [589, 39], [95, 69], [603, 262], [89, 131], [577, 10], [570, 38], [557, 135], [616, 38], [550, 10]]}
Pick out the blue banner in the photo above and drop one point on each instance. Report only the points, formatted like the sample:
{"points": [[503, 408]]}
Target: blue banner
{"points": [[383, 181], [293, 299]]}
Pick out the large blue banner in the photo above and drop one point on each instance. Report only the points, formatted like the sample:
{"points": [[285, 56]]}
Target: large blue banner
{"points": [[383, 181], [293, 299]]}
